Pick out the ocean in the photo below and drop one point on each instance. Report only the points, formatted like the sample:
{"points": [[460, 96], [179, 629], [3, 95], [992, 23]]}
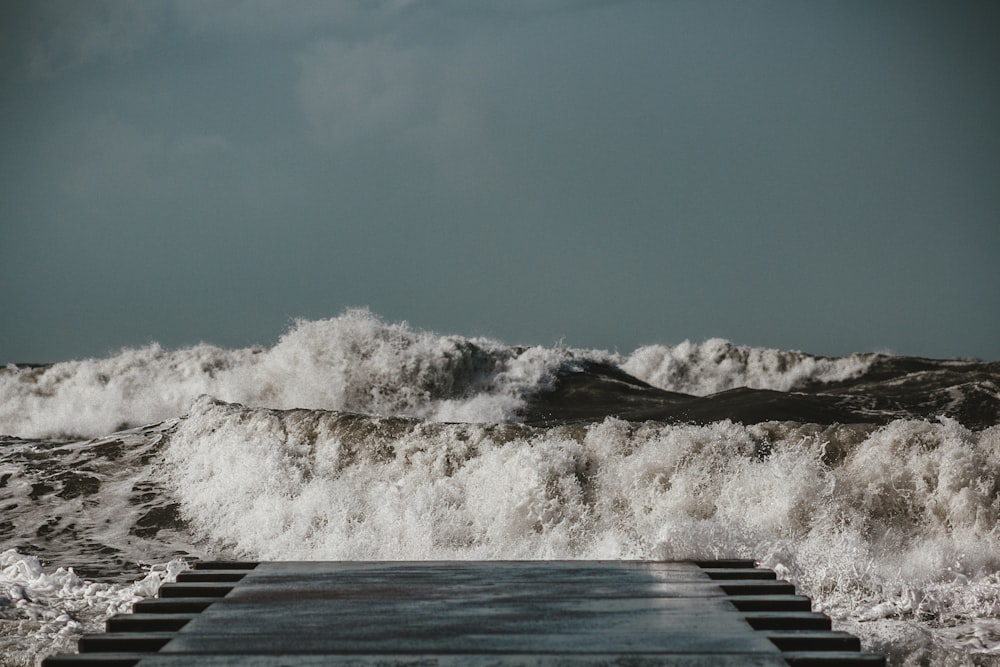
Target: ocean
{"points": [[870, 481]]}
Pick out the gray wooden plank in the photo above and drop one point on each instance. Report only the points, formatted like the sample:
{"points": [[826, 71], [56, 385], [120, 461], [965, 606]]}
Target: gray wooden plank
{"points": [[345, 616], [473, 607], [833, 659], [666, 643], [787, 620], [210, 575], [173, 605], [739, 573], [147, 622], [467, 660], [475, 613], [770, 602], [421, 660]]}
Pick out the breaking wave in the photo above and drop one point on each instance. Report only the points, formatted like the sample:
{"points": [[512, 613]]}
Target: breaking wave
{"points": [[871, 481], [358, 362]]}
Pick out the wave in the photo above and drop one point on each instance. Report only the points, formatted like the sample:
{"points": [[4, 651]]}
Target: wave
{"points": [[892, 523], [354, 362], [892, 527], [718, 365], [847, 507], [871, 481], [358, 362]]}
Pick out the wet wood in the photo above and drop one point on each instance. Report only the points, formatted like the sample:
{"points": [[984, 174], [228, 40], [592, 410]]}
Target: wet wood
{"points": [[472, 613]]}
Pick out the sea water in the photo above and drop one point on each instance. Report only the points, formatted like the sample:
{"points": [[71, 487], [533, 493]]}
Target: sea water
{"points": [[870, 481]]}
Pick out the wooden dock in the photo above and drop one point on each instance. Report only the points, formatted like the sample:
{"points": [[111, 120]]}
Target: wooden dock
{"points": [[477, 613]]}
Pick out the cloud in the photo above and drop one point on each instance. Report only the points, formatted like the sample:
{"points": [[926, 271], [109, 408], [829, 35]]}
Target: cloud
{"points": [[110, 155], [110, 159], [48, 37], [62, 35], [397, 104], [268, 18], [355, 91], [204, 145]]}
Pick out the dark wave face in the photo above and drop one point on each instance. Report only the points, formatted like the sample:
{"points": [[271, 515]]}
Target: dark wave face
{"points": [[891, 388]]}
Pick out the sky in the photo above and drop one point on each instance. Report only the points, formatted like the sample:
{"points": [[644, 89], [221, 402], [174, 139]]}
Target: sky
{"points": [[820, 176]]}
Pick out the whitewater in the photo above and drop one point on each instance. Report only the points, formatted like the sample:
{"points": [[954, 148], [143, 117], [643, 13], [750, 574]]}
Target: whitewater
{"points": [[870, 481]]}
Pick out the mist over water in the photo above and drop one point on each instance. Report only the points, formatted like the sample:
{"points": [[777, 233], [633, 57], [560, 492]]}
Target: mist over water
{"points": [[870, 481]]}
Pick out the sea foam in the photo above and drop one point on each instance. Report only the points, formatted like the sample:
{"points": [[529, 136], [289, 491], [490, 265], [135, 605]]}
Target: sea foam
{"points": [[358, 362], [51, 608], [717, 365], [354, 438], [355, 362], [895, 521]]}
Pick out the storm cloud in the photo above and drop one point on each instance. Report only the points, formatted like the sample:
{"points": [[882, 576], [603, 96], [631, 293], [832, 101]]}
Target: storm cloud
{"points": [[823, 177]]}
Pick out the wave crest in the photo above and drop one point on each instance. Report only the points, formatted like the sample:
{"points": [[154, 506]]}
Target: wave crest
{"points": [[855, 513], [718, 365], [354, 362]]}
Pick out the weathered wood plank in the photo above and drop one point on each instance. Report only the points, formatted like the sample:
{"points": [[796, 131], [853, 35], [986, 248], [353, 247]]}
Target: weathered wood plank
{"points": [[541, 613]]}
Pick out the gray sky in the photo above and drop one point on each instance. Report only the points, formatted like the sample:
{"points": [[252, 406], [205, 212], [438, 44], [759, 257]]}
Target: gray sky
{"points": [[822, 176]]}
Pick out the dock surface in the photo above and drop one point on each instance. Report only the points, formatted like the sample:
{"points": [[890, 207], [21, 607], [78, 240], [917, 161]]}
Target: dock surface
{"points": [[477, 613]]}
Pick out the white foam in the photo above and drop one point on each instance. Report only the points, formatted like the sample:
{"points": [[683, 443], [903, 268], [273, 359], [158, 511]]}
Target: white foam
{"points": [[358, 362], [44, 611], [901, 526], [884, 527], [94, 397], [717, 365], [354, 362]]}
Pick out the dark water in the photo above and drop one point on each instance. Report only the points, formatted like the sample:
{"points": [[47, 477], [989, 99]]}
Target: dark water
{"points": [[891, 388]]}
